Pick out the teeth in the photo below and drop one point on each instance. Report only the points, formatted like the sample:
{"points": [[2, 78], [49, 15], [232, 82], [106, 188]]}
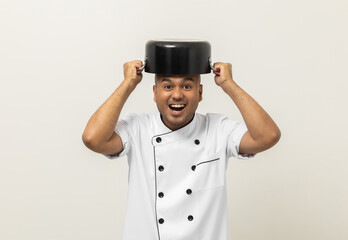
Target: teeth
{"points": [[177, 105]]}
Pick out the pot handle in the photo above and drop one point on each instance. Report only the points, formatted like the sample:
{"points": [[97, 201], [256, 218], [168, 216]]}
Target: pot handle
{"points": [[212, 66], [144, 64]]}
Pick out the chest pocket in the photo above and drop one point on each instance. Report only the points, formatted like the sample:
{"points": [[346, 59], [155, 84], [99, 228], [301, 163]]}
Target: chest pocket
{"points": [[211, 172]]}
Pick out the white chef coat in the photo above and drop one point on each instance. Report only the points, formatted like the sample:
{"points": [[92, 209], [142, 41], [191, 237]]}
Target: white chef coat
{"points": [[177, 179]]}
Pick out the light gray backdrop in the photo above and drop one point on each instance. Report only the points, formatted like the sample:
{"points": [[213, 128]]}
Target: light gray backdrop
{"points": [[60, 60]]}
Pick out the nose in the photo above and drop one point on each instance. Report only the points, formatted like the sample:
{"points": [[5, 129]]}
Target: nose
{"points": [[177, 93]]}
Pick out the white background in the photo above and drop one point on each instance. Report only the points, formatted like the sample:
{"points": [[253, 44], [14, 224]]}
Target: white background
{"points": [[60, 60]]}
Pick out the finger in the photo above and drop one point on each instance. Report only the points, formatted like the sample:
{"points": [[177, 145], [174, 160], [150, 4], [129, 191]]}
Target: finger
{"points": [[138, 63], [217, 67], [132, 65], [139, 70], [217, 64], [217, 71]]}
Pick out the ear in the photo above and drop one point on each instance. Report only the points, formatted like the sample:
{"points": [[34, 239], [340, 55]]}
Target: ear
{"points": [[200, 92], [154, 88]]}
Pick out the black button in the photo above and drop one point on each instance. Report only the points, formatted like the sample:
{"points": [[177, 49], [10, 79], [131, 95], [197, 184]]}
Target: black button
{"points": [[161, 220], [193, 167], [158, 139], [190, 218], [161, 195], [161, 168], [188, 191], [197, 142]]}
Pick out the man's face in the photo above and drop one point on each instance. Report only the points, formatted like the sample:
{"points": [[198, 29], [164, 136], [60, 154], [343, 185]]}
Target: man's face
{"points": [[177, 98]]}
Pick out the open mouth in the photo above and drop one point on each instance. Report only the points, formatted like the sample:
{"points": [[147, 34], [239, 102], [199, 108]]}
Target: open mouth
{"points": [[177, 107]]}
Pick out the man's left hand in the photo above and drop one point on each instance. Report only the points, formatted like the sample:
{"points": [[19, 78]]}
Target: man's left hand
{"points": [[223, 73]]}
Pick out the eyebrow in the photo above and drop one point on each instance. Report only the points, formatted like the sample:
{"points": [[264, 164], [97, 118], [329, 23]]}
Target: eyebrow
{"points": [[169, 80]]}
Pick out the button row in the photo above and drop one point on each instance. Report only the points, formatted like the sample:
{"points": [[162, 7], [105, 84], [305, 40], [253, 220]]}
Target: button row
{"points": [[161, 194], [161, 220], [159, 140], [161, 168]]}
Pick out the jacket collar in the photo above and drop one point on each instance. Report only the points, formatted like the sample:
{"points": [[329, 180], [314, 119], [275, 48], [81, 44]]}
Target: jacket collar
{"points": [[167, 135]]}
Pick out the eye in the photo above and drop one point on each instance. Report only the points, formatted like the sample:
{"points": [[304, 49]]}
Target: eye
{"points": [[187, 87], [167, 87]]}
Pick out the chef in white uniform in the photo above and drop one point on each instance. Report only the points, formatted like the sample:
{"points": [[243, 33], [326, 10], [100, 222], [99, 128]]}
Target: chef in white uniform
{"points": [[177, 157]]}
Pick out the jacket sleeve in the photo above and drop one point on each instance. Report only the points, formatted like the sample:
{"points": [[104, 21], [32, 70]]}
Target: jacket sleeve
{"points": [[233, 132], [124, 130]]}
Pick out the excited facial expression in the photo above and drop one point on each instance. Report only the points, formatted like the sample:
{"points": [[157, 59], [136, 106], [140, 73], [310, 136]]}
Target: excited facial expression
{"points": [[177, 98]]}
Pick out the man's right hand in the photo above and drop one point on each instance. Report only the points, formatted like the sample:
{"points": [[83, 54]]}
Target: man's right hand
{"points": [[99, 134], [132, 74]]}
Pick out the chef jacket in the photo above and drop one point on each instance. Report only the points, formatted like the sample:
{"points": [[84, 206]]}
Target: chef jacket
{"points": [[177, 179]]}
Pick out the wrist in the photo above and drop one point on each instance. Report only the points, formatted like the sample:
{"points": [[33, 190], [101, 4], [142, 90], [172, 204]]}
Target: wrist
{"points": [[228, 84], [126, 87], [129, 83]]}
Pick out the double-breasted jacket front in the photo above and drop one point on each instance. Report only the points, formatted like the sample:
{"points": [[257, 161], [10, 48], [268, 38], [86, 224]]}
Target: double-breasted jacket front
{"points": [[177, 179]]}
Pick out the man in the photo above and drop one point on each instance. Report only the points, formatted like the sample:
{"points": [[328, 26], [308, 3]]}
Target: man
{"points": [[177, 157]]}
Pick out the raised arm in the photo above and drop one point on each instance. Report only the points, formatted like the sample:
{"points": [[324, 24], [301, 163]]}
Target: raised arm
{"points": [[262, 132], [99, 135]]}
